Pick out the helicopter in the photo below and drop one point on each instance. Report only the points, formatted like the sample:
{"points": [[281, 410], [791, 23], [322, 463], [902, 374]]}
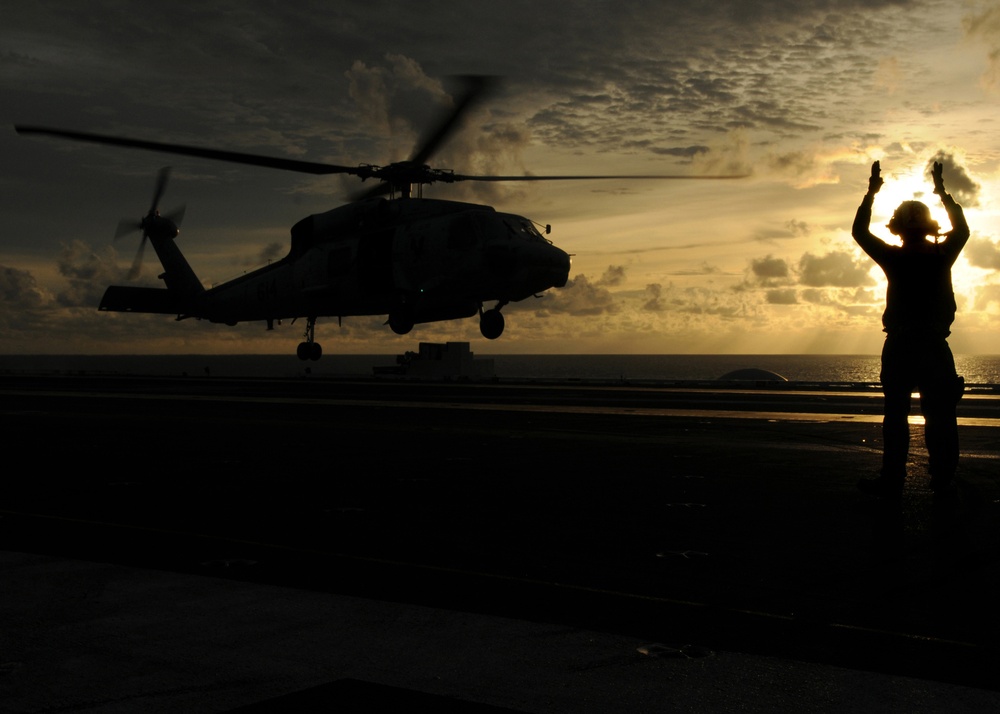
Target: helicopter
{"points": [[387, 252]]}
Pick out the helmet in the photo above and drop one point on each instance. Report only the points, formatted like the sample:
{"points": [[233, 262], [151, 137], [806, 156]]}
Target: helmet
{"points": [[913, 217]]}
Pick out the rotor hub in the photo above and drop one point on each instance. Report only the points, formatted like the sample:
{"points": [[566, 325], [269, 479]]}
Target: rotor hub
{"points": [[156, 226]]}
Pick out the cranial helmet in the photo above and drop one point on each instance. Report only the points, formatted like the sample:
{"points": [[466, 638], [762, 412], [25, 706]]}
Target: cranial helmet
{"points": [[913, 217]]}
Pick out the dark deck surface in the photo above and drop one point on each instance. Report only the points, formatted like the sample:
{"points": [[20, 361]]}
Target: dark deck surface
{"points": [[699, 522]]}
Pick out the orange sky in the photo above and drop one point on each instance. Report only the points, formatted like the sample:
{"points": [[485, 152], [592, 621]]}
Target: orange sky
{"points": [[804, 96]]}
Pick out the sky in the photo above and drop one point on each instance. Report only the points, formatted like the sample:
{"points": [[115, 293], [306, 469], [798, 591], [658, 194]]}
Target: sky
{"points": [[799, 95]]}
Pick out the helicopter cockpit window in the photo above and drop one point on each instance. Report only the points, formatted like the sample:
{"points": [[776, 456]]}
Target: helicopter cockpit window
{"points": [[521, 228]]}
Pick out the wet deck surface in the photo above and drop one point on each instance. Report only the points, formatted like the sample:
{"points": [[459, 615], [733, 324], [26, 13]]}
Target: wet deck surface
{"points": [[661, 517]]}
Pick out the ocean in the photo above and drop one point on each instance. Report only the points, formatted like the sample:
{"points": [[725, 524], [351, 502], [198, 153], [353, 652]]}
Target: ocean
{"points": [[977, 369]]}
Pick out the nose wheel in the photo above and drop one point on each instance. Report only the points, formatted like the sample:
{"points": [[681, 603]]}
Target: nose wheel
{"points": [[401, 320], [491, 322], [309, 349]]}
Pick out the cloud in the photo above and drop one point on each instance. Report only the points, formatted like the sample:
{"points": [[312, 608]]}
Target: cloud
{"points": [[654, 298], [797, 228], [791, 229], [625, 87], [704, 301], [855, 303], [835, 269], [786, 296], [769, 269], [704, 269], [889, 75], [681, 151], [19, 290], [689, 74], [613, 276], [816, 296], [833, 280], [983, 253], [311, 79], [803, 168], [24, 304], [88, 273], [985, 27], [986, 296], [272, 252], [580, 297], [766, 272], [956, 181], [398, 99]]}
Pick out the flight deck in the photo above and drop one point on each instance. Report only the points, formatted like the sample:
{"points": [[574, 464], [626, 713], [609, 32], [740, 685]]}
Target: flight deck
{"points": [[208, 544]]}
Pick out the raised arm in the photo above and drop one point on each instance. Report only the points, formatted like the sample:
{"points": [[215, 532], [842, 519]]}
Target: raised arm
{"points": [[860, 231], [958, 236]]}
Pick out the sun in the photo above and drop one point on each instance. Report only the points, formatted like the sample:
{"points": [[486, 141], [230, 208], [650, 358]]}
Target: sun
{"points": [[909, 184]]}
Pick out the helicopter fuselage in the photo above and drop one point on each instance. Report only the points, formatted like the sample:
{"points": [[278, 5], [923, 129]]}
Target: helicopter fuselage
{"points": [[416, 260]]}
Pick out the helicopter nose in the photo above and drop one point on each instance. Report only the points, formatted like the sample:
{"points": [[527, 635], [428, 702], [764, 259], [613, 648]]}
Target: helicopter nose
{"points": [[561, 263], [528, 268], [554, 264], [551, 265]]}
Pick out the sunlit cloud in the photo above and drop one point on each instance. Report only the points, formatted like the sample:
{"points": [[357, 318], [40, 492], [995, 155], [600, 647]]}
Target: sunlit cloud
{"points": [[88, 272], [983, 24], [988, 298], [983, 253], [787, 296], [580, 297], [835, 269], [613, 276], [655, 301], [889, 75], [770, 271], [799, 97]]}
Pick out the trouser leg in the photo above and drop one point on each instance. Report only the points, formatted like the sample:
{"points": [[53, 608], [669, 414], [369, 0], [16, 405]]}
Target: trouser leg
{"points": [[938, 404], [940, 390], [897, 386], [895, 434]]}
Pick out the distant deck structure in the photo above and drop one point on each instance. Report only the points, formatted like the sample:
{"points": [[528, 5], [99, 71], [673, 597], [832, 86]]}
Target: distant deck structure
{"points": [[451, 360]]}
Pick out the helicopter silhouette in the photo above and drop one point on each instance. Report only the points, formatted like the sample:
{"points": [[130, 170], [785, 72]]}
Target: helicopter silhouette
{"points": [[387, 252]]}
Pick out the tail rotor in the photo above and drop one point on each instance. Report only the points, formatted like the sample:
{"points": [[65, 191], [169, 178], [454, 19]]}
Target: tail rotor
{"points": [[152, 225]]}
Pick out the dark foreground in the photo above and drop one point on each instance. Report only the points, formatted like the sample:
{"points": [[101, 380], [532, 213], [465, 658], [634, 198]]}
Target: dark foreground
{"points": [[187, 545]]}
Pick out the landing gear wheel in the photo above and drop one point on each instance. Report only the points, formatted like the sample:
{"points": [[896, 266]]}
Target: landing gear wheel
{"points": [[401, 324], [309, 349], [491, 324]]}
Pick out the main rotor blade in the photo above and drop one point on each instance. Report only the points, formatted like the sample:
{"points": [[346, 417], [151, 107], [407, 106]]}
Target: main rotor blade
{"points": [[308, 167], [364, 171], [650, 177], [161, 186], [476, 88]]}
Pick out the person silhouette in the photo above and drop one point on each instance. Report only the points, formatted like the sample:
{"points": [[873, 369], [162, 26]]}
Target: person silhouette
{"points": [[919, 309]]}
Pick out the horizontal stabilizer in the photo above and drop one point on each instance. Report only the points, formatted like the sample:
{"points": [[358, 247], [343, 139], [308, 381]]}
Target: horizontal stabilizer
{"points": [[118, 298]]}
